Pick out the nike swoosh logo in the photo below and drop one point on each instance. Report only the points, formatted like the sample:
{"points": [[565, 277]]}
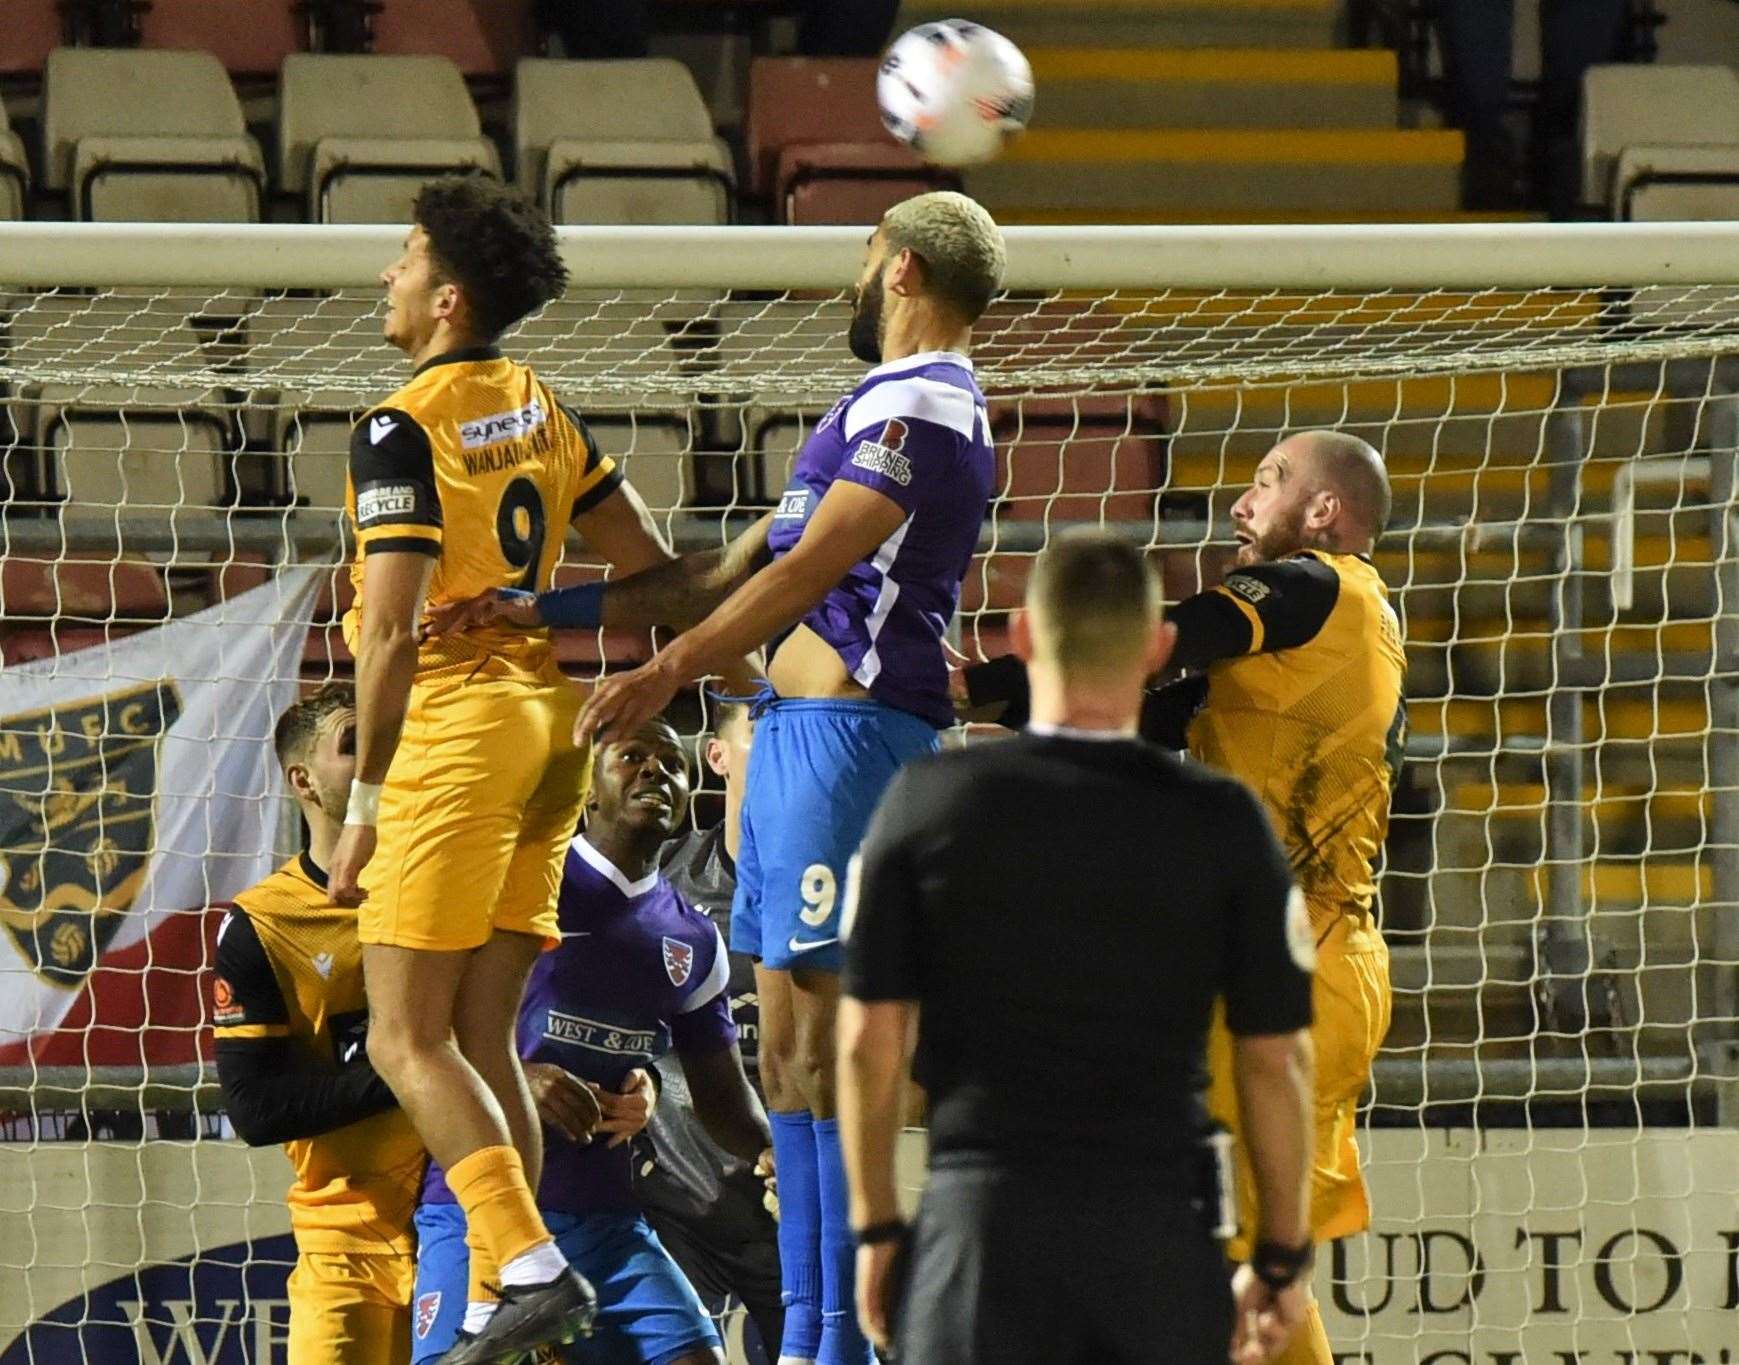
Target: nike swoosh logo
{"points": [[798, 947]]}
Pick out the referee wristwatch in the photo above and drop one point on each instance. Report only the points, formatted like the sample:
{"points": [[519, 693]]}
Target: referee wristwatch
{"points": [[1278, 1266]]}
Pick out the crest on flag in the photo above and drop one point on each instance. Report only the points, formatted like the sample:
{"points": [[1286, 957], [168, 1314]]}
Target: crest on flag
{"points": [[678, 961], [428, 1309], [78, 793]]}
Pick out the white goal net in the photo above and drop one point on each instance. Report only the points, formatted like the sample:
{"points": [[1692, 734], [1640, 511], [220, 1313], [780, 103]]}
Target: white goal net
{"points": [[1550, 1136]]}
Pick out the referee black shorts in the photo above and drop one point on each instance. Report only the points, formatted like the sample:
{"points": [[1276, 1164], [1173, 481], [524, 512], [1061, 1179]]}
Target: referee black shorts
{"points": [[1063, 1266]]}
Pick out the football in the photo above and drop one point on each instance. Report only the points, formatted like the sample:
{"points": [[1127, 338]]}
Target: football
{"points": [[955, 91]]}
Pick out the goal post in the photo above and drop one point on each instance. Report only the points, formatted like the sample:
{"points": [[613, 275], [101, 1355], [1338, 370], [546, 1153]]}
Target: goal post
{"points": [[1550, 1134]]}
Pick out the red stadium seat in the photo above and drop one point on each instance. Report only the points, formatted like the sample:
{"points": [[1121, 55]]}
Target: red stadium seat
{"points": [[82, 591], [480, 37], [31, 30], [825, 183], [1085, 459], [250, 37], [817, 149]]}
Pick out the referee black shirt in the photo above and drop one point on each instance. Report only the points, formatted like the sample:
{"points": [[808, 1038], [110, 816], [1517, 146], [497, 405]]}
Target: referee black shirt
{"points": [[1065, 909]]}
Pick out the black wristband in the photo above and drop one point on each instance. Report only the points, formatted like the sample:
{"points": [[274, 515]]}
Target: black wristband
{"points": [[1279, 1266], [890, 1231]]}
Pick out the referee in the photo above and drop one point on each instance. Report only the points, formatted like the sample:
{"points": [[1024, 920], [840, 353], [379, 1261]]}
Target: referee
{"points": [[1042, 910]]}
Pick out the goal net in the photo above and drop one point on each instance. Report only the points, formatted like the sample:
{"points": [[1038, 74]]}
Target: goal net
{"points": [[1550, 1142]]}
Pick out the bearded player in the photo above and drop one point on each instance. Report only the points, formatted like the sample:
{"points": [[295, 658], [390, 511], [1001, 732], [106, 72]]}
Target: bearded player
{"points": [[463, 481], [869, 545], [290, 1022], [1299, 694]]}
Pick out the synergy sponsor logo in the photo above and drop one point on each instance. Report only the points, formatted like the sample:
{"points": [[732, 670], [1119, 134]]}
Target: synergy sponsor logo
{"points": [[502, 426], [599, 1036]]}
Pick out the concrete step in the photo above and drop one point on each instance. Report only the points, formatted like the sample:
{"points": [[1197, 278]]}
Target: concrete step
{"points": [[1147, 87], [1160, 23], [1224, 170]]}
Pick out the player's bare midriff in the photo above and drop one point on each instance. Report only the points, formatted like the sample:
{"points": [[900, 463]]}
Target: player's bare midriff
{"points": [[805, 665]]}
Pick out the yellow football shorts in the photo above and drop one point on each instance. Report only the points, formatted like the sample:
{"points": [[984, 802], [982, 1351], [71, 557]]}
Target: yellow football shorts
{"points": [[483, 796], [1350, 998], [350, 1307]]}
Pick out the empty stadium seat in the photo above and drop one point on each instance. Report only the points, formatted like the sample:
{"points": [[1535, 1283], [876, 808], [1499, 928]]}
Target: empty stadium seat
{"points": [[148, 137], [316, 442], [250, 37], [33, 30], [359, 135], [619, 142], [161, 462], [480, 37], [817, 150], [1085, 459], [1661, 141], [14, 171], [654, 452]]}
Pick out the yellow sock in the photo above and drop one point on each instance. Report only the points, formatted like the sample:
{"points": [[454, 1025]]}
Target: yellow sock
{"points": [[1309, 1344], [485, 1273], [500, 1212]]}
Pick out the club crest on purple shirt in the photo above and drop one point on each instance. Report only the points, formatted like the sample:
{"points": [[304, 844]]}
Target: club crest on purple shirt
{"points": [[678, 961]]}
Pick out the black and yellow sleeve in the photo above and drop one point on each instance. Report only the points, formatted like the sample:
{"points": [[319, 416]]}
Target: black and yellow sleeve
{"points": [[1256, 610], [269, 1091], [600, 477], [392, 469], [246, 999]]}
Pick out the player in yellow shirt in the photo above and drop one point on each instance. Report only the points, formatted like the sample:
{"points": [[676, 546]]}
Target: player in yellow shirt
{"points": [[290, 1022], [464, 481], [1298, 693]]}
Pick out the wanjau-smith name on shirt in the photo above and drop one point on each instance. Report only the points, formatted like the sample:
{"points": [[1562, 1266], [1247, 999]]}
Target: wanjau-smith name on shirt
{"points": [[497, 458], [599, 1036]]}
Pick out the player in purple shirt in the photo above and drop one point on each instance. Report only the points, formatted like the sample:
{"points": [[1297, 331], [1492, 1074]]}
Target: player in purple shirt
{"points": [[640, 972], [868, 546]]}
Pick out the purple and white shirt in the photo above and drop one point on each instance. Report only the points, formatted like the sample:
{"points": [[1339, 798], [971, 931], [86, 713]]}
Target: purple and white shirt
{"points": [[915, 430], [639, 971]]}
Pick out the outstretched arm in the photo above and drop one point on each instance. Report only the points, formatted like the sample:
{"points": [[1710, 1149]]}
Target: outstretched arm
{"points": [[657, 590], [851, 521]]}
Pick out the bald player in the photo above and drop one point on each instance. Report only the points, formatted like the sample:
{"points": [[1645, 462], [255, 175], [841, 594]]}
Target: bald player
{"points": [[1296, 664]]}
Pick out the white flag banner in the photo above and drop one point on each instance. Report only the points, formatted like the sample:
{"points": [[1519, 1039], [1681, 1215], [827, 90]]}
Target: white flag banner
{"points": [[137, 779]]}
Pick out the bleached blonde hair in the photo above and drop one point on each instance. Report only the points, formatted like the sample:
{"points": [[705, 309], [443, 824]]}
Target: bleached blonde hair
{"points": [[959, 243]]}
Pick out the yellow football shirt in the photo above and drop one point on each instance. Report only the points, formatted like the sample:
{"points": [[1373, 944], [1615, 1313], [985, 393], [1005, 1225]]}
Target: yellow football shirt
{"points": [[475, 463], [1314, 721], [289, 965]]}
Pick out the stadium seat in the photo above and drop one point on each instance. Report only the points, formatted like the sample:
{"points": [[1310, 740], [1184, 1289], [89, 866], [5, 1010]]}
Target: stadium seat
{"points": [[619, 142], [148, 137], [14, 171], [33, 30], [1661, 141], [1084, 459], [480, 37], [162, 462], [654, 452], [817, 150], [316, 444], [250, 37], [80, 589], [359, 135]]}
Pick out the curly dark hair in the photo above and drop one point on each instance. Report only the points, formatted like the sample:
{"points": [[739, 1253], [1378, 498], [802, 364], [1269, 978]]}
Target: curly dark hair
{"points": [[297, 726], [498, 247]]}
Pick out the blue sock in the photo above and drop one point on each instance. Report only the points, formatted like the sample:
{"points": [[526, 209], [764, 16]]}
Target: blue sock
{"points": [[799, 1234], [842, 1343]]}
